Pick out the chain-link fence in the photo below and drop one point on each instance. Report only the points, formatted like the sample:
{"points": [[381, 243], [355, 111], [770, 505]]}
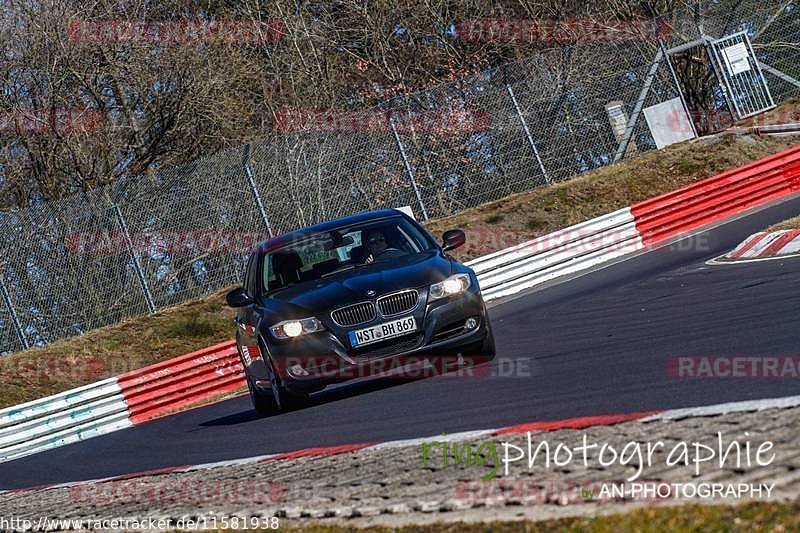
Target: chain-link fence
{"points": [[143, 244]]}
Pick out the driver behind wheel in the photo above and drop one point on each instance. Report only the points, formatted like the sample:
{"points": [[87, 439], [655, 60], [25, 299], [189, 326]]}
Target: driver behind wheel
{"points": [[375, 244]]}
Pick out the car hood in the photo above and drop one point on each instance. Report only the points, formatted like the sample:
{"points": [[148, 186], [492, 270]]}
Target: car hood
{"points": [[351, 286]]}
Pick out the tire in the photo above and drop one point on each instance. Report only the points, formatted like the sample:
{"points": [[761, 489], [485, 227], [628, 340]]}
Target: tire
{"points": [[488, 346], [282, 399], [263, 404]]}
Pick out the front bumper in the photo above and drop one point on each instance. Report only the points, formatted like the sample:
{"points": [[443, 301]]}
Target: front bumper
{"points": [[314, 361]]}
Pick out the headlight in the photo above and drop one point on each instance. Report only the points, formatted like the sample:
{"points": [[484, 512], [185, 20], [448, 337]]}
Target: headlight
{"points": [[455, 284], [294, 328]]}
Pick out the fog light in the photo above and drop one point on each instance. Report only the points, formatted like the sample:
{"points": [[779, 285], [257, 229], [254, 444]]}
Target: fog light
{"points": [[471, 323], [297, 370]]}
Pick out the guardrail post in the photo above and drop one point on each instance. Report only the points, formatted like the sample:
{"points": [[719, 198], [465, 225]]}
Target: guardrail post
{"points": [[13, 314], [524, 123], [248, 172], [136, 265], [408, 167]]}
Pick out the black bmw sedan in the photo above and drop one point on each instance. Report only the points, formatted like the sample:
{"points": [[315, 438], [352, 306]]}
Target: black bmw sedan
{"points": [[370, 294]]}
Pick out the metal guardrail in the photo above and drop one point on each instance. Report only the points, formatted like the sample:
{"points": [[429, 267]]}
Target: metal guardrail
{"points": [[61, 419], [558, 254], [718, 197], [634, 228], [119, 402], [166, 387]]}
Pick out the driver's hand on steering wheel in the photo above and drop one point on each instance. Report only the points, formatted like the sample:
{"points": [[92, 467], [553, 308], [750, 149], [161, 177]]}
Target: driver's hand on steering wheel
{"points": [[375, 244]]}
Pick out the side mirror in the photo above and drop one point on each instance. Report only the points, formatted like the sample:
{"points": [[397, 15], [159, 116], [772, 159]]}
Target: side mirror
{"points": [[452, 239], [238, 298]]}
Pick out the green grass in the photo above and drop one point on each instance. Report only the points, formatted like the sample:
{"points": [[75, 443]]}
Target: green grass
{"points": [[534, 223], [196, 326]]}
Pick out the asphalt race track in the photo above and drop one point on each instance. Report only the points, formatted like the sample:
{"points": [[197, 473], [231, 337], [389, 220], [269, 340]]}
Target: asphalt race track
{"points": [[598, 344]]}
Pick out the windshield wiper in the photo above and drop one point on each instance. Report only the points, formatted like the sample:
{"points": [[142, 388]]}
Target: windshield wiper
{"points": [[278, 289], [338, 270], [352, 266]]}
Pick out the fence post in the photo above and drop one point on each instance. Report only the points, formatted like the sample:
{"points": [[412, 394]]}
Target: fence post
{"points": [[13, 314], [637, 108], [136, 265], [677, 86], [524, 123], [248, 172], [408, 167]]}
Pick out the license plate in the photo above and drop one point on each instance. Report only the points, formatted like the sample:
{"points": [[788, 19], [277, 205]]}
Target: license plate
{"points": [[387, 330]]}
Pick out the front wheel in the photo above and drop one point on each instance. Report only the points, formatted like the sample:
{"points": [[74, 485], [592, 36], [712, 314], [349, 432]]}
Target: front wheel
{"points": [[282, 399], [262, 403], [277, 399], [489, 351]]}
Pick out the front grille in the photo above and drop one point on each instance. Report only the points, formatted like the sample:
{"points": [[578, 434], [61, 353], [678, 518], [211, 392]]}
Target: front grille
{"points": [[353, 315], [390, 347], [399, 302]]}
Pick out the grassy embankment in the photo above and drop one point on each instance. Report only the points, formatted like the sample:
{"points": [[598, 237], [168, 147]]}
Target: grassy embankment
{"points": [[140, 341]]}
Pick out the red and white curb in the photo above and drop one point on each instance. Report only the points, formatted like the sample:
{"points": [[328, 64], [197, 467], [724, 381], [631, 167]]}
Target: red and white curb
{"points": [[120, 402], [640, 227], [762, 246], [533, 427], [167, 387]]}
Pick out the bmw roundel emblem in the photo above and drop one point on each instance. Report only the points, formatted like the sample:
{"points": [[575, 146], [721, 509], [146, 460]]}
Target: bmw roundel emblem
{"points": [[370, 293]]}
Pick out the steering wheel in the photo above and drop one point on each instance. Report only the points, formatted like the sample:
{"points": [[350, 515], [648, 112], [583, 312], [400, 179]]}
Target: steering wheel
{"points": [[389, 249]]}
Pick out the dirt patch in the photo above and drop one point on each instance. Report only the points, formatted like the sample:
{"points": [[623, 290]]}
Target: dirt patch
{"points": [[792, 223]]}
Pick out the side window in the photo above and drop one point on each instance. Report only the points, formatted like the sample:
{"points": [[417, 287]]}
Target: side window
{"points": [[245, 281], [344, 251], [268, 275], [406, 242], [251, 276]]}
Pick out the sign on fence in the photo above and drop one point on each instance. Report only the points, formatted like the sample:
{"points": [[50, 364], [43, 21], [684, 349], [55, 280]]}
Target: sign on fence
{"points": [[668, 123]]}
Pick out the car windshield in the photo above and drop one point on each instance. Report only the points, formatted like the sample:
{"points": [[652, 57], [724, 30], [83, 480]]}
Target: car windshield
{"points": [[327, 253]]}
